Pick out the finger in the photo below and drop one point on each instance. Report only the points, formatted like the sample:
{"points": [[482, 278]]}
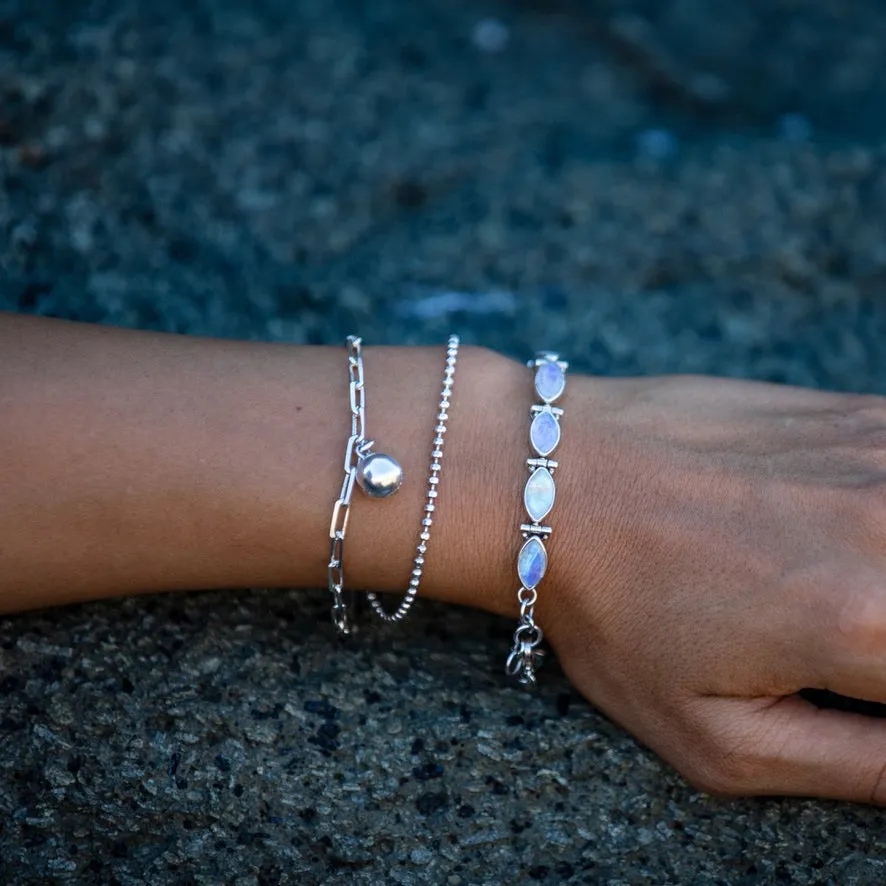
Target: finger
{"points": [[789, 747]]}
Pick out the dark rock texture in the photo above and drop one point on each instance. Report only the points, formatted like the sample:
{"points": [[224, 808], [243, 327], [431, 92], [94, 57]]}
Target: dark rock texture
{"points": [[649, 187]]}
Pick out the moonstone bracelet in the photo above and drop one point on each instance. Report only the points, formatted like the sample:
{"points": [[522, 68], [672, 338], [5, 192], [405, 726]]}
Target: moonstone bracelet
{"points": [[538, 498]]}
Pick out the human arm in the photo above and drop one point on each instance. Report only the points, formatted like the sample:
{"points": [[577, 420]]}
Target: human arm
{"points": [[718, 545], [133, 461]]}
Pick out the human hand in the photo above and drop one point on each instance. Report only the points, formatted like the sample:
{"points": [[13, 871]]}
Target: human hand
{"points": [[722, 546]]}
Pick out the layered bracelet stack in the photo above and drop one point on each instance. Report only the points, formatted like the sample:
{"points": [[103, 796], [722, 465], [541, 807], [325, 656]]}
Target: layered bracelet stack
{"points": [[379, 475]]}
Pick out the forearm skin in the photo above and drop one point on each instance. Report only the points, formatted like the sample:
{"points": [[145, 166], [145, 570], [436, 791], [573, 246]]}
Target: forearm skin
{"points": [[134, 461]]}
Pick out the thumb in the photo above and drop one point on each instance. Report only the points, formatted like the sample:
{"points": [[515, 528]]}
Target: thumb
{"points": [[789, 747]]}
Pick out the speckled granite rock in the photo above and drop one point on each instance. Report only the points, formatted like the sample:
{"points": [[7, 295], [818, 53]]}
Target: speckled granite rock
{"points": [[298, 171], [750, 61]]}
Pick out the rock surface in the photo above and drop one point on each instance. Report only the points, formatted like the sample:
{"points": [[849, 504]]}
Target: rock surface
{"points": [[647, 187]]}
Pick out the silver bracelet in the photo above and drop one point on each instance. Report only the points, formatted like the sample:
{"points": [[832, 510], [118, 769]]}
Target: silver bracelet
{"points": [[538, 498], [377, 474], [433, 481]]}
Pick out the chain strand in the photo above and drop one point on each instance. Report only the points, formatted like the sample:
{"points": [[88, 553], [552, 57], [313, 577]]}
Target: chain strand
{"points": [[433, 482], [356, 448]]}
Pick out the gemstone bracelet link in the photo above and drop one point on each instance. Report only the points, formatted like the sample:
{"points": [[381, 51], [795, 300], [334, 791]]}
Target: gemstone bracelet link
{"points": [[538, 499]]}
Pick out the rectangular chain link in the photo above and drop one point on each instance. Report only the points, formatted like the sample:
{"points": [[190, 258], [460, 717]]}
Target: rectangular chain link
{"points": [[338, 525], [352, 456]]}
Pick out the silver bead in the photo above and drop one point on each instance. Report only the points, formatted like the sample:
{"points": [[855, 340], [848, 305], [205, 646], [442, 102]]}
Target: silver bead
{"points": [[379, 475]]}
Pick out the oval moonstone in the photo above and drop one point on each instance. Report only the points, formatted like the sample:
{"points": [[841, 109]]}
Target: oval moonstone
{"points": [[538, 496], [544, 433], [550, 381], [532, 563]]}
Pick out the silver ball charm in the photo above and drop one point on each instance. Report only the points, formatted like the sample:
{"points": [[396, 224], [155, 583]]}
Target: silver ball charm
{"points": [[379, 475]]}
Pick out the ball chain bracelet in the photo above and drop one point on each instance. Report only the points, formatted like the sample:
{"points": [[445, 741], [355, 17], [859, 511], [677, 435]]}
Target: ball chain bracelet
{"points": [[433, 481], [538, 498]]}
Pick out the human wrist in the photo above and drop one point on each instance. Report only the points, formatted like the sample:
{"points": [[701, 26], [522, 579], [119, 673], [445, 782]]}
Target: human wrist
{"points": [[478, 488], [476, 536], [580, 547], [482, 482], [586, 550]]}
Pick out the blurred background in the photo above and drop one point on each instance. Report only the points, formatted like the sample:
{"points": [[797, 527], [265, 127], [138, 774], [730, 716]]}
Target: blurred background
{"points": [[647, 186]]}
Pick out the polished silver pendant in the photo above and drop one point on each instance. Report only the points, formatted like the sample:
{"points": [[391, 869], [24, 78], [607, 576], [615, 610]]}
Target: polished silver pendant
{"points": [[379, 475]]}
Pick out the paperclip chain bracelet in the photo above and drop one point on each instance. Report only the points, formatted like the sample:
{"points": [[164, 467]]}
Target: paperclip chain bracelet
{"points": [[433, 482], [538, 499], [379, 476]]}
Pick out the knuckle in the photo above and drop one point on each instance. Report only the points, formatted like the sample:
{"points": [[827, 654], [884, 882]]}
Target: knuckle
{"points": [[861, 620]]}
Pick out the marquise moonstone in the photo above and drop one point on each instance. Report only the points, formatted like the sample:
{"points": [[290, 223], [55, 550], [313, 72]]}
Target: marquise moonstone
{"points": [[538, 496], [550, 381], [544, 433], [532, 563]]}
